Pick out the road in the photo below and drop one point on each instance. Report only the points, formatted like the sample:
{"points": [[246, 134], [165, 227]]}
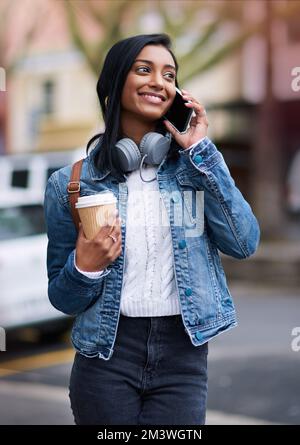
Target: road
{"points": [[253, 371]]}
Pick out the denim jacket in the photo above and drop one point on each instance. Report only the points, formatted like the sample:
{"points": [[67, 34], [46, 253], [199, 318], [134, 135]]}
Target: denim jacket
{"points": [[216, 217]]}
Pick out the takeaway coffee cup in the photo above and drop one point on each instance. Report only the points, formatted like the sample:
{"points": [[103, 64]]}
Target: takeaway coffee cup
{"points": [[95, 211]]}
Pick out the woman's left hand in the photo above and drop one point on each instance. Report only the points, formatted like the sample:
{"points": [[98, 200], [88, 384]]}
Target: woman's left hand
{"points": [[198, 124]]}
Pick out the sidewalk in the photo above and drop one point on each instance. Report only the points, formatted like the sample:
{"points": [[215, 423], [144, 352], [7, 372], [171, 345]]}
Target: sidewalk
{"points": [[220, 418], [40, 404], [275, 264]]}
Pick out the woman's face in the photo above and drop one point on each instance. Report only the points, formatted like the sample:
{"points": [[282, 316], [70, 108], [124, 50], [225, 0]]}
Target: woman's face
{"points": [[149, 89]]}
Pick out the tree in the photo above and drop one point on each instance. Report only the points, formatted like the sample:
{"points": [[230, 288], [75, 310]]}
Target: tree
{"points": [[119, 18]]}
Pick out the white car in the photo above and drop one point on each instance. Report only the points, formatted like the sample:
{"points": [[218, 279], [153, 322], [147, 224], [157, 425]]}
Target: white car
{"points": [[23, 241]]}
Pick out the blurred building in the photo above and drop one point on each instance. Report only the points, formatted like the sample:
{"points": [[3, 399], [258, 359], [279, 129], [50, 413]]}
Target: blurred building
{"points": [[51, 102], [53, 105]]}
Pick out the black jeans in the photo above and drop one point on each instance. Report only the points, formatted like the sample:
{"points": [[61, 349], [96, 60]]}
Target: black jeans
{"points": [[154, 377]]}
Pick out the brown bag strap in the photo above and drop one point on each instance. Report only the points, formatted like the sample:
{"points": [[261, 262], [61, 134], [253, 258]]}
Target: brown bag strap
{"points": [[74, 190]]}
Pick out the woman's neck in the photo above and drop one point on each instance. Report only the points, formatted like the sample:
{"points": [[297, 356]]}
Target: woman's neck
{"points": [[136, 130]]}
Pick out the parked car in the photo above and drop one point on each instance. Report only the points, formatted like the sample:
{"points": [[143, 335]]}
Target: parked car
{"points": [[23, 241]]}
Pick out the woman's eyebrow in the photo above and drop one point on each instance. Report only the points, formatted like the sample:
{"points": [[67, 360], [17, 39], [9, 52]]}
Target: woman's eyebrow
{"points": [[151, 63]]}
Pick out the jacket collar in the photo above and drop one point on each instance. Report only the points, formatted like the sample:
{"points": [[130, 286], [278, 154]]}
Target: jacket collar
{"points": [[96, 174]]}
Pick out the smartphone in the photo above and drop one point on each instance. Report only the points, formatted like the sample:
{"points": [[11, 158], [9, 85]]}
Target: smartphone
{"points": [[178, 114]]}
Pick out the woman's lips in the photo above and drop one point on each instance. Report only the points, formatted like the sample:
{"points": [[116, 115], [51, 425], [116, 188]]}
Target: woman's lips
{"points": [[152, 99]]}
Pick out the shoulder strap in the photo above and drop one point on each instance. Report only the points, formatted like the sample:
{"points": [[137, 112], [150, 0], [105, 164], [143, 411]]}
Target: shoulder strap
{"points": [[74, 190]]}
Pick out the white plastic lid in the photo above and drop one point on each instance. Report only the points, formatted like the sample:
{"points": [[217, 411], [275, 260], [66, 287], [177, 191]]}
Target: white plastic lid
{"points": [[95, 200]]}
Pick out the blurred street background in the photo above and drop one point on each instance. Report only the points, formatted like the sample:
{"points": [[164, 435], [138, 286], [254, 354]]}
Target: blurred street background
{"points": [[241, 59]]}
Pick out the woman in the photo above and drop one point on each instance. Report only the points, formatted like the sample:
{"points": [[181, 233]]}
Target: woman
{"points": [[146, 306]]}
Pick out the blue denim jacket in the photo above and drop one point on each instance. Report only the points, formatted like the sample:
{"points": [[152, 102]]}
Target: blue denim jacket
{"points": [[222, 221]]}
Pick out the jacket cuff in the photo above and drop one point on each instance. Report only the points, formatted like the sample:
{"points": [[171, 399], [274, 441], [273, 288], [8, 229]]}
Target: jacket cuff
{"points": [[79, 277], [204, 155], [93, 275]]}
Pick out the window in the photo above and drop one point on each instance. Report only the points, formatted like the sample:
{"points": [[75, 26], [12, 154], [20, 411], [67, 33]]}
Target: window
{"points": [[20, 178], [17, 222], [48, 97]]}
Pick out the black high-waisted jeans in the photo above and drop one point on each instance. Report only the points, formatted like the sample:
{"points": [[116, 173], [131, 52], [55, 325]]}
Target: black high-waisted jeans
{"points": [[154, 377]]}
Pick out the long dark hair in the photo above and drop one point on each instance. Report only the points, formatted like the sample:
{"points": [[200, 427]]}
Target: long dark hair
{"points": [[117, 64]]}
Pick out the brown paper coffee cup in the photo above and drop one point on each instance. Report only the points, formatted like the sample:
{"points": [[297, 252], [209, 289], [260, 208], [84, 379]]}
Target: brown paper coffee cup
{"points": [[95, 211]]}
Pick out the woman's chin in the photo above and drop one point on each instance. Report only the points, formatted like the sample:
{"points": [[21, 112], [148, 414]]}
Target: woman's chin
{"points": [[152, 115]]}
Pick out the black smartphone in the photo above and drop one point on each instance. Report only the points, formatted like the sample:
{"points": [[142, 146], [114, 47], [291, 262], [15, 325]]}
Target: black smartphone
{"points": [[178, 114]]}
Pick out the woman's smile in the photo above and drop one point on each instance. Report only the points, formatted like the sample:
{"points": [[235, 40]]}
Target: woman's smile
{"points": [[153, 99]]}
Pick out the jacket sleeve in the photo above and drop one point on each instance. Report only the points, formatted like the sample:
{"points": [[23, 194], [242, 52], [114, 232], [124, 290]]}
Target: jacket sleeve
{"points": [[231, 224], [69, 290]]}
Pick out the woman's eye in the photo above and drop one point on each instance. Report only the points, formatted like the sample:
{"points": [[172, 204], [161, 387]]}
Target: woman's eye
{"points": [[143, 68], [146, 69], [172, 76]]}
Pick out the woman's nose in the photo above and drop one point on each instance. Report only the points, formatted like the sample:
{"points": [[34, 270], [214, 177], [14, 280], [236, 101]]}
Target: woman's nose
{"points": [[156, 80]]}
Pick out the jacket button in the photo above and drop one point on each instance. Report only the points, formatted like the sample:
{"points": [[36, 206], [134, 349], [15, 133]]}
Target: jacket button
{"points": [[198, 336], [188, 292], [182, 244], [198, 159]]}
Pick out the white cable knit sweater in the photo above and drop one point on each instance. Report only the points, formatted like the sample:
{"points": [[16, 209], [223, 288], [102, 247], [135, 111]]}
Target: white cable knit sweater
{"points": [[149, 287]]}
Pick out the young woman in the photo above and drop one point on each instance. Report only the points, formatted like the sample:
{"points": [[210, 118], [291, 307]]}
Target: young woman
{"points": [[147, 296]]}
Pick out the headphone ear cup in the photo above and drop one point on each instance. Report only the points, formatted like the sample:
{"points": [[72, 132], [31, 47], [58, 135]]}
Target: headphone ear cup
{"points": [[156, 146], [127, 155]]}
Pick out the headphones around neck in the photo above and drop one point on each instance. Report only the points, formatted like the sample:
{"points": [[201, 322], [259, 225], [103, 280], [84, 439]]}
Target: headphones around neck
{"points": [[152, 150]]}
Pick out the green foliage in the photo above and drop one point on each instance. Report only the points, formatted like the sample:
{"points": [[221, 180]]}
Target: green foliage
{"points": [[203, 24]]}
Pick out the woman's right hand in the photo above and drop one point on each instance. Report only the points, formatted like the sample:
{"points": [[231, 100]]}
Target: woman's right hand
{"points": [[96, 254]]}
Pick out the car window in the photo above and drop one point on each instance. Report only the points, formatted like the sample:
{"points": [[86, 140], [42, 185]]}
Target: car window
{"points": [[17, 222], [20, 178]]}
